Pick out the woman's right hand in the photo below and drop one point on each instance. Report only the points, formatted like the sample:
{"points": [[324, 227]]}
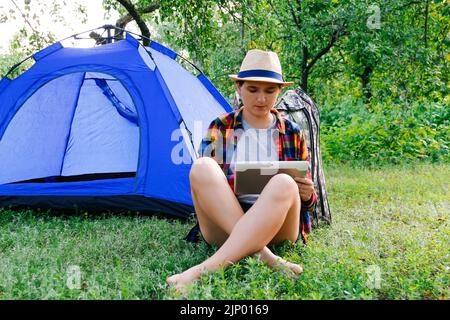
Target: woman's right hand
{"points": [[305, 188]]}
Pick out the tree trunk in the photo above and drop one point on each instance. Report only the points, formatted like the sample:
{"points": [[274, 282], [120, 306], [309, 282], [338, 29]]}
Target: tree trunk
{"points": [[365, 84], [305, 70], [306, 67], [425, 35], [128, 5], [243, 28], [123, 21]]}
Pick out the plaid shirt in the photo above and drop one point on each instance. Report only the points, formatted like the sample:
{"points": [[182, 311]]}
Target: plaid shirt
{"points": [[221, 140]]}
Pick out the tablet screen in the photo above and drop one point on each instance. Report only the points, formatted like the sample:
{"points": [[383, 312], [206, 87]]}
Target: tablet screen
{"points": [[251, 177]]}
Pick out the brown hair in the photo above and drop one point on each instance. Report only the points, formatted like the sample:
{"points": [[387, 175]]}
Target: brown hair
{"points": [[241, 82]]}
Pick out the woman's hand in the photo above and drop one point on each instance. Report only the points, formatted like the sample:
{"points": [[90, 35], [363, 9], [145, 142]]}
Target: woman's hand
{"points": [[305, 188]]}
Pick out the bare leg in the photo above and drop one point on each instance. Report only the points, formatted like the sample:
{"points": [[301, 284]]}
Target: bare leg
{"points": [[218, 215], [217, 235], [273, 218]]}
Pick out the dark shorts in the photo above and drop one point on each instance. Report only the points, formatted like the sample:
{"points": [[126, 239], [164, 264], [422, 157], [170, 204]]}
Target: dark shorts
{"points": [[245, 206]]}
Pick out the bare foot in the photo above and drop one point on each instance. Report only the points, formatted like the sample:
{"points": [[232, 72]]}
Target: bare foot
{"points": [[182, 280], [279, 263], [282, 264]]}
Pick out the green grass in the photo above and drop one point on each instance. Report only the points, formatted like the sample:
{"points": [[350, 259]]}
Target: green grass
{"points": [[389, 240]]}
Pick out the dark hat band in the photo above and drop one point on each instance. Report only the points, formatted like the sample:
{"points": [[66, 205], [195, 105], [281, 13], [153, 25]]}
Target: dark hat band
{"points": [[260, 73]]}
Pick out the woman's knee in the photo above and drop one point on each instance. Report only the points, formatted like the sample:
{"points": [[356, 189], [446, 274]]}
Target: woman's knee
{"points": [[284, 186], [203, 169]]}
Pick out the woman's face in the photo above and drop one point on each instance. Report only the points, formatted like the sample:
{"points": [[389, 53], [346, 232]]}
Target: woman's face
{"points": [[258, 97]]}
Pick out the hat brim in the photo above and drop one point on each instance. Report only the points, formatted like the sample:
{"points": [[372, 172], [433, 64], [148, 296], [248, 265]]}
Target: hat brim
{"points": [[235, 78]]}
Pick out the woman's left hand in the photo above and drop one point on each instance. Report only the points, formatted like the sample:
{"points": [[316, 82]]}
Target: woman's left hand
{"points": [[305, 188]]}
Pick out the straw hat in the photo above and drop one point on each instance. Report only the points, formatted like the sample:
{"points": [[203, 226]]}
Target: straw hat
{"points": [[259, 65]]}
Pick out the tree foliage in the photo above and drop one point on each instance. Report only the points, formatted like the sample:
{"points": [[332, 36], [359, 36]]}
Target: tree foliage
{"points": [[394, 51], [379, 63], [31, 35]]}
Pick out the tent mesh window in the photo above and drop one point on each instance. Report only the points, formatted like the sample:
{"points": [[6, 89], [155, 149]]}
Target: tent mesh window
{"points": [[80, 126]]}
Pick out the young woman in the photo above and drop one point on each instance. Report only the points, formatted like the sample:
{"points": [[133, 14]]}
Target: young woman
{"points": [[243, 225]]}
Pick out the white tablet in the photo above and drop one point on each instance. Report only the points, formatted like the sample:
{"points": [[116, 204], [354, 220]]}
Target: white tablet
{"points": [[251, 177]]}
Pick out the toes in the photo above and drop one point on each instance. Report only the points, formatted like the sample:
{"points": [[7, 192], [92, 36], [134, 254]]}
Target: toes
{"points": [[297, 269], [172, 279], [176, 286], [289, 266]]}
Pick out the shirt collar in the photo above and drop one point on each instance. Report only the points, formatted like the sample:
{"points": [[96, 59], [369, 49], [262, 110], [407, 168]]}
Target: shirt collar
{"points": [[279, 125]]}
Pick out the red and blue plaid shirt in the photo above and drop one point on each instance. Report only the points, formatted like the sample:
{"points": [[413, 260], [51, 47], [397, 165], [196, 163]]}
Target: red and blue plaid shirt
{"points": [[221, 140]]}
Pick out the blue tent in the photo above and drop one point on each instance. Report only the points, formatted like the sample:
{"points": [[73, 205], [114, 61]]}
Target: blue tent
{"points": [[110, 127]]}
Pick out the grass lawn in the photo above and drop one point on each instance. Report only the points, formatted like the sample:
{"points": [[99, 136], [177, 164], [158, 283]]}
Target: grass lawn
{"points": [[389, 240]]}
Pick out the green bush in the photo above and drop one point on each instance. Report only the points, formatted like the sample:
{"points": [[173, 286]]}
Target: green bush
{"points": [[391, 134]]}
